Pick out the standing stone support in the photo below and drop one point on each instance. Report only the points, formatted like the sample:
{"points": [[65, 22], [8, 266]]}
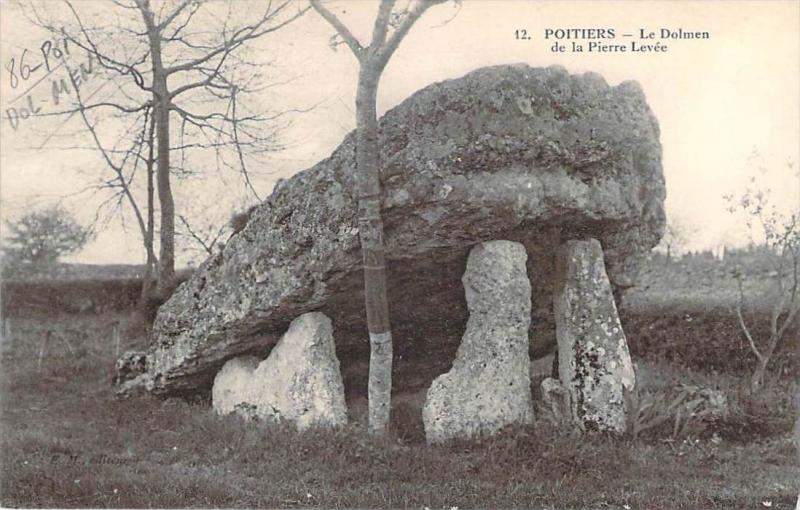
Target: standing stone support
{"points": [[593, 360], [299, 382], [489, 384]]}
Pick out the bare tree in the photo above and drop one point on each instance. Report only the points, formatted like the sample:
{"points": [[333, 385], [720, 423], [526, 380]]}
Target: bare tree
{"points": [[36, 241], [206, 236], [372, 61], [117, 160], [178, 60], [782, 241]]}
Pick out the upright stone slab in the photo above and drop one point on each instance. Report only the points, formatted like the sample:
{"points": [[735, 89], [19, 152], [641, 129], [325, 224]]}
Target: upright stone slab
{"points": [[593, 360], [299, 382], [233, 385], [489, 384]]}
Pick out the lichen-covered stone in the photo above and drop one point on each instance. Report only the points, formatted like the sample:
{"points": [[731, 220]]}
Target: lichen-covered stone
{"points": [[527, 154], [299, 382], [593, 360], [489, 384], [129, 366]]}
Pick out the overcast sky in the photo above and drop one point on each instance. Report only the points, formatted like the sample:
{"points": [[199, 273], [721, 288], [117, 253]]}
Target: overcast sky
{"points": [[717, 100]]}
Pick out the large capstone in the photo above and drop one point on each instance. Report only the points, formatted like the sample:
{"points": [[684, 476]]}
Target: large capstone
{"points": [[532, 155], [593, 360], [298, 383], [488, 387]]}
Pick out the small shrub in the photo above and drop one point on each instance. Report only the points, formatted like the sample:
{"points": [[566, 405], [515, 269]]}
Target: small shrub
{"points": [[686, 411]]}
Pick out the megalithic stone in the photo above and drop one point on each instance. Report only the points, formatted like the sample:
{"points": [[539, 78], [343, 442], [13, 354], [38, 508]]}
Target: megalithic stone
{"points": [[489, 384], [299, 382], [594, 364]]}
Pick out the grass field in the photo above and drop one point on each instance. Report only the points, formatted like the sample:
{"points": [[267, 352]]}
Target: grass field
{"points": [[68, 442]]}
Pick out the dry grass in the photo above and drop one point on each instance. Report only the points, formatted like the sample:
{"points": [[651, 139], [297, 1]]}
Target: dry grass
{"points": [[67, 442]]}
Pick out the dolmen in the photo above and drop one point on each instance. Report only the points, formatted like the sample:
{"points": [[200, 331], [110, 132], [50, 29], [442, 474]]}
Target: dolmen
{"points": [[524, 181]]}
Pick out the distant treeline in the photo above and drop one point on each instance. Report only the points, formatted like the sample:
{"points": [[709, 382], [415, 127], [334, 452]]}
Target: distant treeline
{"points": [[755, 258]]}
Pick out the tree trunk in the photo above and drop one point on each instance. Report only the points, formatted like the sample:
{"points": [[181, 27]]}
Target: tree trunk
{"points": [[757, 379], [372, 61], [370, 228], [161, 104], [146, 295], [166, 268], [147, 282]]}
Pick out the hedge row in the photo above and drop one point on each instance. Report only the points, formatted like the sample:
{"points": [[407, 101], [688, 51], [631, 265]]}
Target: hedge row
{"points": [[51, 297]]}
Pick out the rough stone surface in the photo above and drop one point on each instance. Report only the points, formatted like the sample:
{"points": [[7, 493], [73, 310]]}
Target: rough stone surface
{"points": [[299, 382], [234, 385], [489, 384], [527, 154], [129, 366], [593, 360], [556, 400]]}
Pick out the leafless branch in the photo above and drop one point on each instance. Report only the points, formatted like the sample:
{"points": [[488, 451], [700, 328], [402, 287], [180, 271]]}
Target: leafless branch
{"points": [[105, 104], [103, 59], [386, 51], [340, 28], [208, 245], [241, 36], [174, 14], [382, 23], [743, 325], [116, 168]]}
